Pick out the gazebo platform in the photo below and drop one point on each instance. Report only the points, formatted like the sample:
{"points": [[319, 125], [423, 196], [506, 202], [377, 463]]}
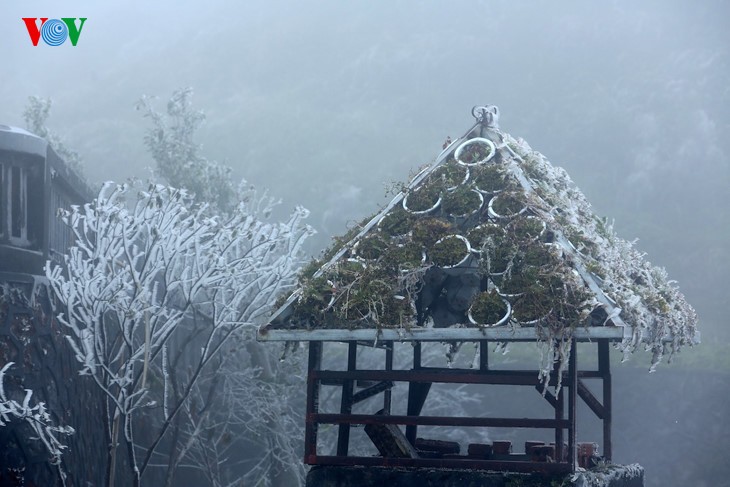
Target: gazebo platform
{"points": [[400, 450]]}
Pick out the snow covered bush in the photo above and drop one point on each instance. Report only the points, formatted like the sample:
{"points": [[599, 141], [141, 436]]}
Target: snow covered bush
{"points": [[171, 143], [152, 291]]}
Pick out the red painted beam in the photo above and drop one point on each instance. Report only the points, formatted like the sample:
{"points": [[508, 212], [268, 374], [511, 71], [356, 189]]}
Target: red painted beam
{"points": [[438, 421]]}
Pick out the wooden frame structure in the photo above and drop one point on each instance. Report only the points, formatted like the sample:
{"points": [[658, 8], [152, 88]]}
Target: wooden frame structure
{"points": [[383, 428], [420, 378]]}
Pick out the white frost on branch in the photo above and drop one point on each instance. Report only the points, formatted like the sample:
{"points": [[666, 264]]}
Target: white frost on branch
{"points": [[37, 417], [147, 260]]}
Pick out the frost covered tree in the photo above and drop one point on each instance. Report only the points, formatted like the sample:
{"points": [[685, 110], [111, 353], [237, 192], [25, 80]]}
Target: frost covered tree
{"points": [[37, 417], [247, 403], [255, 438], [154, 278], [178, 157]]}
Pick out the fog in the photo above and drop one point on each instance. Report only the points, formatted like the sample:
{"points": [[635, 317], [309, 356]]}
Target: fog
{"points": [[323, 102]]}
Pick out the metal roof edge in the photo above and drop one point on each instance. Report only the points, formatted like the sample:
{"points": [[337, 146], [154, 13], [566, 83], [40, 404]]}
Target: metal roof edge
{"points": [[505, 333], [20, 140]]}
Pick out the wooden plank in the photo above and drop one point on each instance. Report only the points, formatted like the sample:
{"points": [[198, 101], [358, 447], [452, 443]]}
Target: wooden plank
{"points": [[389, 440], [456, 463], [479, 450], [437, 446]]}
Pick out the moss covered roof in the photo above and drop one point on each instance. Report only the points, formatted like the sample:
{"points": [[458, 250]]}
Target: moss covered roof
{"points": [[490, 237]]}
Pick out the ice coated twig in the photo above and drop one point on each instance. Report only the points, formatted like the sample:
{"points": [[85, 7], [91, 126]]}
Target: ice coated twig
{"points": [[149, 268], [37, 417]]}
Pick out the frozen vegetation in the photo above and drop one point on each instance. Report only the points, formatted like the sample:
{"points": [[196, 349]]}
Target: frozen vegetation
{"points": [[161, 295], [492, 230]]}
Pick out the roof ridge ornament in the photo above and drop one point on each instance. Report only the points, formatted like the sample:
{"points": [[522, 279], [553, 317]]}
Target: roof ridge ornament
{"points": [[487, 115]]}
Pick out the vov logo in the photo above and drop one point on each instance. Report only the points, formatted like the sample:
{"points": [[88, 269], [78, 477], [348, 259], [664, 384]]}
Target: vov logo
{"points": [[54, 31]]}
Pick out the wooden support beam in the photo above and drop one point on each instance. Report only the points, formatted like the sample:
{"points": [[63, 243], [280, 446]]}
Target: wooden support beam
{"points": [[549, 397], [417, 393], [469, 376], [383, 386], [441, 374], [559, 415], [604, 367], [387, 396], [484, 355], [343, 436], [310, 425], [572, 399], [540, 423], [416, 355], [377, 344], [389, 440], [590, 399], [417, 334]]}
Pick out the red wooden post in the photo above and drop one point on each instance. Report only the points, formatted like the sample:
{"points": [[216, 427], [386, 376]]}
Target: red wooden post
{"points": [[310, 426]]}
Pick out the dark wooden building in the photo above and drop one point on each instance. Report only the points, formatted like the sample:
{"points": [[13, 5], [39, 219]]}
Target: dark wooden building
{"points": [[34, 183]]}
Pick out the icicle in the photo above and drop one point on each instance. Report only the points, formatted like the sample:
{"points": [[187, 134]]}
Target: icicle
{"points": [[289, 348], [453, 348], [165, 380]]}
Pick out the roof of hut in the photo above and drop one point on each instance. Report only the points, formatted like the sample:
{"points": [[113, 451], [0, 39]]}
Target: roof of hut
{"points": [[491, 240]]}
